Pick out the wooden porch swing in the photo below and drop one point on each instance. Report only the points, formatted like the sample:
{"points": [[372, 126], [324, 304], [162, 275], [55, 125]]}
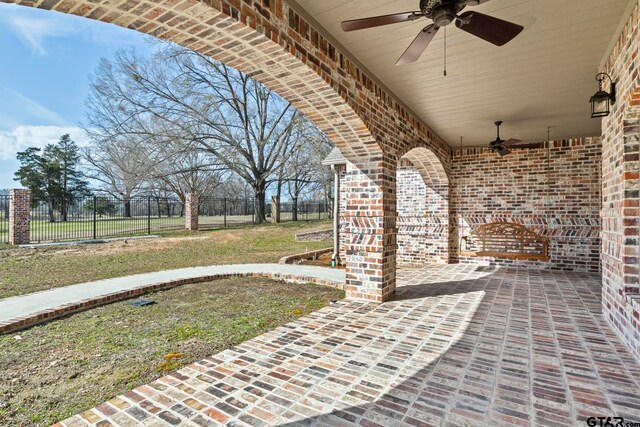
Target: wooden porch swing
{"points": [[507, 239]]}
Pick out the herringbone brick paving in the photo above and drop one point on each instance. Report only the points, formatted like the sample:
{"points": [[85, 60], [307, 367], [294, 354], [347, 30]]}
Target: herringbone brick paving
{"points": [[459, 345]]}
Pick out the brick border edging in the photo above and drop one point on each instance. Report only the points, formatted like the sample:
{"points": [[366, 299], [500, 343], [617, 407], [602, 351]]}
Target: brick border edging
{"points": [[290, 259], [311, 234], [33, 319]]}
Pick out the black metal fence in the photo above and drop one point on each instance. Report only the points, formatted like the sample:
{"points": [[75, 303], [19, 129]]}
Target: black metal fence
{"points": [[5, 202], [101, 216], [304, 211], [227, 212], [104, 216], [214, 212]]}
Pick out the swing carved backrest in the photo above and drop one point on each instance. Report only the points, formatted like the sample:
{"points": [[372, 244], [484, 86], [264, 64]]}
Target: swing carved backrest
{"points": [[505, 240]]}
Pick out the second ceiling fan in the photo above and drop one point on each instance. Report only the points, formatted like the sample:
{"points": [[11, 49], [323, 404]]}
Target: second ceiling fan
{"points": [[442, 13], [503, 147]]}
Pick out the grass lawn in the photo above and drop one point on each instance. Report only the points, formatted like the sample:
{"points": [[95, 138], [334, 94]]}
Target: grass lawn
{"points": [[25, 270], [45, 231], [52, 371]]}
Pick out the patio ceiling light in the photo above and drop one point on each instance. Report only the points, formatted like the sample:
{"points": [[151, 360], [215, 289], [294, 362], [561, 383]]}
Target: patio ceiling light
{"points": [[602, 100]]}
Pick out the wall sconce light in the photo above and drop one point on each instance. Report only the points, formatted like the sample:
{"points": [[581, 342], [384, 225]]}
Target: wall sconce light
{"points": [[602, 100]]}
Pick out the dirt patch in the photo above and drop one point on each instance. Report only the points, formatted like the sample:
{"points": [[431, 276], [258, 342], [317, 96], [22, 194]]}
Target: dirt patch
{"points": [[323, 260], [52, 371]]}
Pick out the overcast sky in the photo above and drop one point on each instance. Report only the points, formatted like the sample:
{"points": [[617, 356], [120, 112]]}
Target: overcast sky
{"points": [[47, 58]]}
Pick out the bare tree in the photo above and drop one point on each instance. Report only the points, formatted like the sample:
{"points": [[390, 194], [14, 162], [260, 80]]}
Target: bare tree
{"points": [[190, 170], [247, 127], [304, 171], [121, 165], [235, 187]]}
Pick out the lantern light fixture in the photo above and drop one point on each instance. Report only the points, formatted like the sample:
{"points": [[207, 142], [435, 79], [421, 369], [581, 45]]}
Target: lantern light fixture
{"points": [[602, 101]]}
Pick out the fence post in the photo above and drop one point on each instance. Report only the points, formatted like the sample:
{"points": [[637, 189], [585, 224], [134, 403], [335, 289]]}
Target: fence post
{"points": [[95, 218], [275, 209], [225, 212], [319, 213], [191, 211], [19, 216], [148, 214]]}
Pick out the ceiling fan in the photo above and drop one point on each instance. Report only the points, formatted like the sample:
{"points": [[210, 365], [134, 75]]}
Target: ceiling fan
{"points": [[442, 13], [501, 146]]}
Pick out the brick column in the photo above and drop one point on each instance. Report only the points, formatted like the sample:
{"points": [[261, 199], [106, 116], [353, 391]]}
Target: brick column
{"points": [[371, 241], [191, 211], [621, 191], [19, 216]]}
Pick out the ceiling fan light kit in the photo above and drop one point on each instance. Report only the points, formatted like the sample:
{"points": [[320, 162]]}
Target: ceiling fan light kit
{"points": [[442, 13], [503, 147]]}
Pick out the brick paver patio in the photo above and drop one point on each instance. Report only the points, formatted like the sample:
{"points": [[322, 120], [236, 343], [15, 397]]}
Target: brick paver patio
{"points": [[460, 345]]}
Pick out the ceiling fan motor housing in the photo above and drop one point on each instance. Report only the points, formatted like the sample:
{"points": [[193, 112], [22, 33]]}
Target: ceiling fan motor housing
{"points": [[442, 12]]}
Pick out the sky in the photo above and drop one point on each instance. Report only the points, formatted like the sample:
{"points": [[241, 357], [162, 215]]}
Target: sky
{"points": [[47, 60]]}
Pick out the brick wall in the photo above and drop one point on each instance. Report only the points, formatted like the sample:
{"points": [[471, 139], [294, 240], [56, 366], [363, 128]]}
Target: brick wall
{"points": [[562, 202], [423, 218], [621, 190]]}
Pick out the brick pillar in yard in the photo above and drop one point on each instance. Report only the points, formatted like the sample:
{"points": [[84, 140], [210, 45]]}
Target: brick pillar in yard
{"points": [[191, 211], [19, 215]]}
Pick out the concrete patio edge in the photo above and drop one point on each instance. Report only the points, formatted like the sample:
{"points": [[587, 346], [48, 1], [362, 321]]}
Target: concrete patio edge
{"points": [[24, 311]]}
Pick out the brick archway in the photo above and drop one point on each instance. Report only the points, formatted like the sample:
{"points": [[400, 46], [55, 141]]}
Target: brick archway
{"points": [[422, 187], [269, 41]]}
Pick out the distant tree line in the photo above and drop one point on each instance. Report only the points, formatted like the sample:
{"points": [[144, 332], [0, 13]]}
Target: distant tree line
{"points": [[174, 123]]}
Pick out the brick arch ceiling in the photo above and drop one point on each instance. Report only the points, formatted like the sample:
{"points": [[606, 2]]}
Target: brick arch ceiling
{"points": [[429, 166], [268, 41]]}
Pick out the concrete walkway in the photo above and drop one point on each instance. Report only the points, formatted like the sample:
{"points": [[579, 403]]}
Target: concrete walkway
{"points": [[76, 297]]}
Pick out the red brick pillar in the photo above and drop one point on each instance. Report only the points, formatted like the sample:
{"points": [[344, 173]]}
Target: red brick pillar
{"points": [[371, 241], [19, 216], [191, 211]]}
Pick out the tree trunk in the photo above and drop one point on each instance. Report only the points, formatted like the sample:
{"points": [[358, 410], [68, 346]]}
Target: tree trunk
{"points": [[294, 209], [127, 208], [64, 209], [259, 201], [51, 216], [279, 189], [183, 203], [329, 199], [65, 187]]}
